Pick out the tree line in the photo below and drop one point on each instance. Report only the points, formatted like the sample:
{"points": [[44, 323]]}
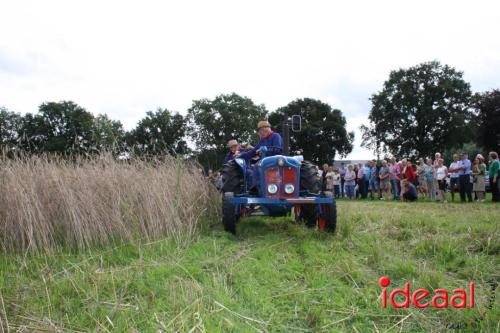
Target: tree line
{"points": [[420, 110], [430, 108], [66, 128]]}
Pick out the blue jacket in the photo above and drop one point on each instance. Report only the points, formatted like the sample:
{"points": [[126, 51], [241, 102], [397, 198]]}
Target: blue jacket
{"points": [[274, 145]]}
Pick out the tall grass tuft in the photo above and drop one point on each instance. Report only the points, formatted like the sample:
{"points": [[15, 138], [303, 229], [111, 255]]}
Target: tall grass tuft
{"points": [[47, 203]]}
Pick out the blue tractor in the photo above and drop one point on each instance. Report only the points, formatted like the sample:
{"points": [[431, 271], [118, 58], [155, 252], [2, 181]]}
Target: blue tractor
{"points": [[285, 183]]}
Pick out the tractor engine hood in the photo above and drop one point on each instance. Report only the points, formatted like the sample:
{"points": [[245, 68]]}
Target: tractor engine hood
{"points": [[279, 177]]}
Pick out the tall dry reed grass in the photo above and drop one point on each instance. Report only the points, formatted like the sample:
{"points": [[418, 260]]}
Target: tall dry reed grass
{"points": [[47, 203]]}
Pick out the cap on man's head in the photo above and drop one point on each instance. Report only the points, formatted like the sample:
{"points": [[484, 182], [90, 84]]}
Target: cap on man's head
{"points": [[232, 143], [262, 124]]}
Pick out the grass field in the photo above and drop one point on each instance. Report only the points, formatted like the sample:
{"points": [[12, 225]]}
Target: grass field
{"points": [[274, 276]]}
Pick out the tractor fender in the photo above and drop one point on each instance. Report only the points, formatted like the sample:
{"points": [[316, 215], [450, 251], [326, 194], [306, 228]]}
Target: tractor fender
{"points": [[241, 163]]}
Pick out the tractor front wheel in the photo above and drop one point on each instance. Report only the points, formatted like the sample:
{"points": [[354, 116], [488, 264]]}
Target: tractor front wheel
{"points": [[309, 215]]}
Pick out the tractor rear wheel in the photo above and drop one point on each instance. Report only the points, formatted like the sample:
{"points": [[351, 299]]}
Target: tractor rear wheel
{"points": [[232, 183], [229, 216], [309, 179], [232, 178]]}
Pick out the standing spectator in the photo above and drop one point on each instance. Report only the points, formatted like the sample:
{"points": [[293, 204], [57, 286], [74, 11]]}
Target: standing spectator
{"points": [[336, 183], [329, 174], [430, 179], [478, 174], [453, 170], [394, 171], [362, 181], [464, 172], [320, 172], [385, 181], [342, 179], [323, 177], [368, 173], [493, 175], [356, 187], [211, 175], [437, 156], [218, 181], [422, 184], [349, 178], [441, 174], [407, 174], [410, 191], [374, 184]]}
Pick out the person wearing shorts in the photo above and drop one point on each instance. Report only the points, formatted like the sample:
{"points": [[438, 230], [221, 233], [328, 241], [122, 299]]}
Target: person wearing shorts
{"points": [[385, 181], [441, 174], [395, 172], [430, 179]]}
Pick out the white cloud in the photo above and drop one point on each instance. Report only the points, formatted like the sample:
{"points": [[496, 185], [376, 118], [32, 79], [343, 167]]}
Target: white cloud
{"points": [[124, 58]]}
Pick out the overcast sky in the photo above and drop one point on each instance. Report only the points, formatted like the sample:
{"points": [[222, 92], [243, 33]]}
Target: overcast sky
{"points": [[124, 58]]}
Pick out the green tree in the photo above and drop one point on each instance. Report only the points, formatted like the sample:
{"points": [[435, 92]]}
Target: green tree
{"points": [[160, 132], [10, 127], [421, 110], [212, 123], [107, 134], [323, 133], [62, 127], [488, 121]]}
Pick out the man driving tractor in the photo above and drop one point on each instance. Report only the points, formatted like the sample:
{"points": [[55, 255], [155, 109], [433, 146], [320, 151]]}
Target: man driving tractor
{"points": [[270, 144], [269, 139]]}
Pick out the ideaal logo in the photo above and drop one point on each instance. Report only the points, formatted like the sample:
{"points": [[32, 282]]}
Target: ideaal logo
{"points": [[419, 298]]}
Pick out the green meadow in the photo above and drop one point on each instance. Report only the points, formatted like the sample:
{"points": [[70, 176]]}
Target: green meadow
{"points": [[274, 276]]}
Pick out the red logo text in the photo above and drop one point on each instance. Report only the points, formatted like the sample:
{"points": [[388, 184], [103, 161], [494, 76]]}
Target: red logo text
{"points": [[423, 298]]}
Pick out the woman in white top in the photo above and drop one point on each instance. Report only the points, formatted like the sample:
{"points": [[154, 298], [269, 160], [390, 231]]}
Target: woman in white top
{"points": [[441, 174], [336, 183], [350, 182], [329, 179]]}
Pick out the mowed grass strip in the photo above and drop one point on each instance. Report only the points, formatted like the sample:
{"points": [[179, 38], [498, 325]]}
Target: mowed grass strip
{"points": [[275, 276]]}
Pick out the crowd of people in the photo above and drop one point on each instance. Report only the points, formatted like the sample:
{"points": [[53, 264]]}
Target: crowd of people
{"points": [[386, 179], [427, 179]]}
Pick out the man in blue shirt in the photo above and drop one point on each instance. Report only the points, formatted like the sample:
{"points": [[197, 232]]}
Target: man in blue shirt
{"points": [[368, 176], [374, 184], [411, 192], [269, 140], [464, 173]]}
